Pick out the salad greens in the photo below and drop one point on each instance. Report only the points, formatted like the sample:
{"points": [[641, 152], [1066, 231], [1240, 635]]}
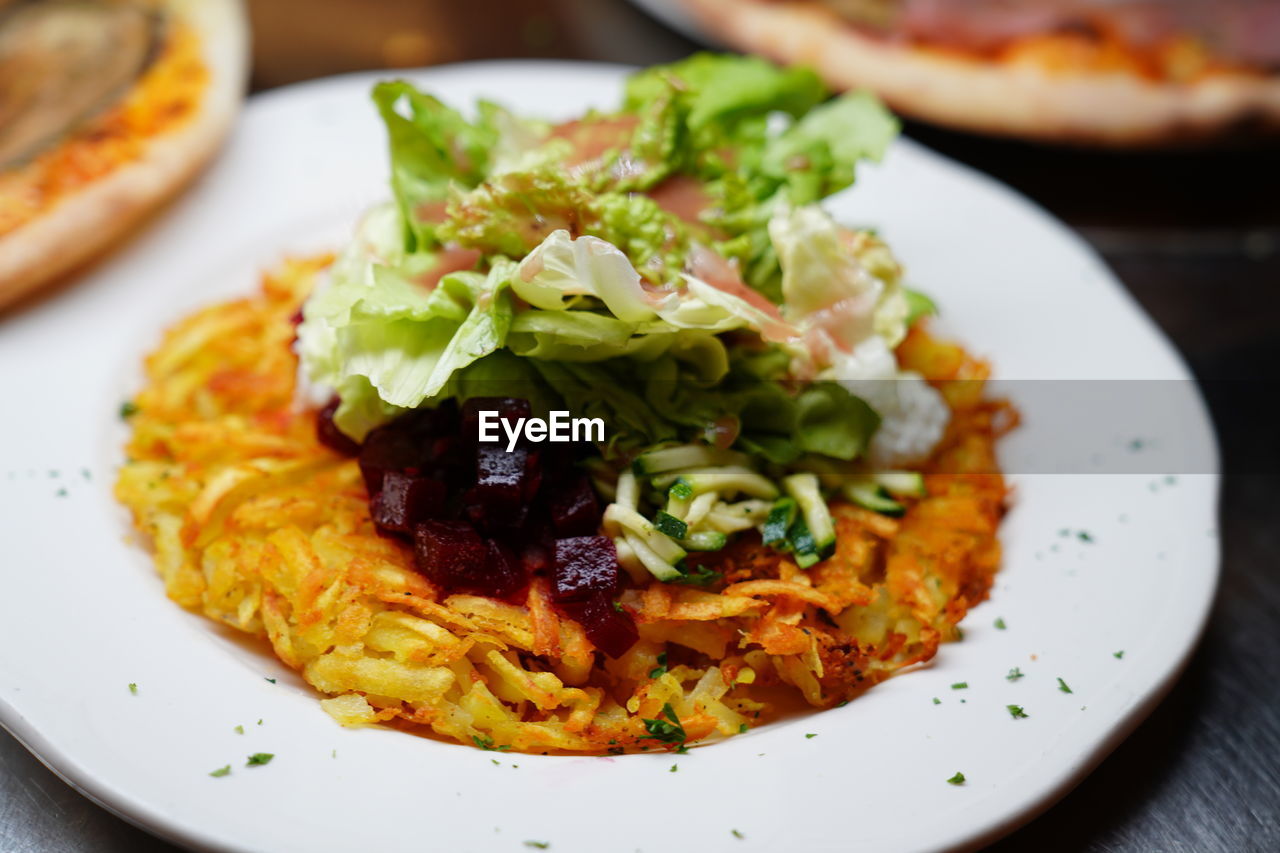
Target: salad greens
{"points": [[663, 266]]}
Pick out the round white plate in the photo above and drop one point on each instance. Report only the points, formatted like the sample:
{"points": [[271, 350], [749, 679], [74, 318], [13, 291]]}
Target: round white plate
{"points": [[677, 17], [82, 614]]}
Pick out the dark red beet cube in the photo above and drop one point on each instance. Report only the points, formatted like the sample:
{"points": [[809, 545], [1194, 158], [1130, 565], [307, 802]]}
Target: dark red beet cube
{"points": [[535, 556], [575, 510], [504, 483], [584, 566], [329, 434], [451, 554], [609, 629], [508, 409], [504, 575], [391, 448], [405, 500]]}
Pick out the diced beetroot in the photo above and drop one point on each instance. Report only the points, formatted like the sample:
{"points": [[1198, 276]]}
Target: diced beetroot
{"points": [[451, 554], [584, 566], [575, 510], [508, 409], [535, 556], [405, 500], [610, 629], [329, 434], [504, 575], [503, 486], [391, 448]]}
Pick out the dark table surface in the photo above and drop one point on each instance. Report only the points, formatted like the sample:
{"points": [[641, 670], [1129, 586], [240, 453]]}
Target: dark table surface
{"points": [[1194, 236]]}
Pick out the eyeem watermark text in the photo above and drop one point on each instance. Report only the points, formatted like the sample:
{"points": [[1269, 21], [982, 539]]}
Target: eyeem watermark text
{"points": [[559, 427]]}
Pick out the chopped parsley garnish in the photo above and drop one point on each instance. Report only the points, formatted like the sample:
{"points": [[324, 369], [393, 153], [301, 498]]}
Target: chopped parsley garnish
{"points": [[742, 728], [221, 771], [1014, 674], [133, 688], [667, 731], [737, 834], [1084, 536], [960, 685], [674, 768], [259, 722], [239, 730], [937, 701], [1062, 685], [617, 605], [486, 743], [495, 762], [1016, 712], [661, 669], [957, 779], [62, 493], [1118, 655], [540, 845], [272, 680], [128, 409], [1000, 624], [810, 735], [259, 758]]}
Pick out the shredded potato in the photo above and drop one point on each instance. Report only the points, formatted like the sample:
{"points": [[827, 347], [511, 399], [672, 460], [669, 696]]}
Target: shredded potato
{"points": [[257, 525]]}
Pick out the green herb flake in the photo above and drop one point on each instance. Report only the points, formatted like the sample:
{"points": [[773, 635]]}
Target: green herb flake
{"points": [[661, 669], [737, 834], [674, 768], [957, 779], [259, 722], [1084, 536], [810, 735], [1000, 626], [960, 685], [540, 845], [617, 605], [239, 730], [1016, 712], [62, 493], [668, 731], [133, 688], [1015, 674], [259, 758], [272, 680], [495, 762], [937, 701], [220, 772], [743, 728], [1062, 685], [1118, 655], [128, 409]]}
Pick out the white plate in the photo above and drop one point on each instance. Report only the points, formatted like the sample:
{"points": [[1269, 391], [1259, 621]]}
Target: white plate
{"points": [[82, 614], [677, 17]]}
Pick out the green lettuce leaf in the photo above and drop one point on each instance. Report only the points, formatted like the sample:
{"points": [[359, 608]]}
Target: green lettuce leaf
{"points": [[400, 341], [432, 147]]}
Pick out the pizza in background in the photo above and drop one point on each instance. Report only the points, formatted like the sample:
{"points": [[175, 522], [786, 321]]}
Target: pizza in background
{"points": [[107, 107], [1109, 72]]}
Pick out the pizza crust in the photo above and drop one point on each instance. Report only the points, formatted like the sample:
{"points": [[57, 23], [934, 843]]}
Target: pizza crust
{"points": [[971, 94], [85, 223]]}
